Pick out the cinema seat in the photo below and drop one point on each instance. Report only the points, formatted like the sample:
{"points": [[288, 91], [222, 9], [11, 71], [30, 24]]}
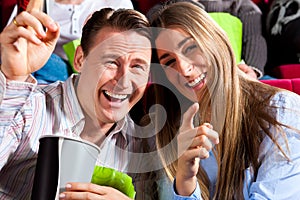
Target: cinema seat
{"points": [[292, 84]]}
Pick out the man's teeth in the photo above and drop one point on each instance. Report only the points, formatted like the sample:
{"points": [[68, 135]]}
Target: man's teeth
{"points": [[116, 96], [197, 80]]}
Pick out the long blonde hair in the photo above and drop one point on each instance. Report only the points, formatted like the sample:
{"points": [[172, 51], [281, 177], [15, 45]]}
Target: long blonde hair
{"points": [[237, 107]]}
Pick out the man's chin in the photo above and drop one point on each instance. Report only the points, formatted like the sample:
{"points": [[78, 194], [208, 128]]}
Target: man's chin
{"points": [[116, 116]]}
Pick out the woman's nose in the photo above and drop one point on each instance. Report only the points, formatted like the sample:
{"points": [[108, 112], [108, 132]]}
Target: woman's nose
{"points": [[184, 67]]}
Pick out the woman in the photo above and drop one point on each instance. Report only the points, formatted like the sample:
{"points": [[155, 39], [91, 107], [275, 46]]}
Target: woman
{"points": [[257, 152]]}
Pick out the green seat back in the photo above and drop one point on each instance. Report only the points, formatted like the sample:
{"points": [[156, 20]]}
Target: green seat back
{"points": [[234, 30]]}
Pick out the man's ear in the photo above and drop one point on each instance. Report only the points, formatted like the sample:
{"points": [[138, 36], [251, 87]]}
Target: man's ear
{"points": [[78, 59]]}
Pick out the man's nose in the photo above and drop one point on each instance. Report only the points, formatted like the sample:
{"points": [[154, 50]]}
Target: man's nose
{"points": [[123, 77]]}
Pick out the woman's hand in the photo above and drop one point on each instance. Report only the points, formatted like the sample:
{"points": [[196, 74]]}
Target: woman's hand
{"points": [[91, 191], [25, 46], [194, 143]]}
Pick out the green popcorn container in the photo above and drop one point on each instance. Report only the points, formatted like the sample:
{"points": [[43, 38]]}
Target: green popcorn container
{"points": [[113, 178]]}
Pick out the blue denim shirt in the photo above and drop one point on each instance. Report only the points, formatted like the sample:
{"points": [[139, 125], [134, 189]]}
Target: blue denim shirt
{"points": [[277, 178]]}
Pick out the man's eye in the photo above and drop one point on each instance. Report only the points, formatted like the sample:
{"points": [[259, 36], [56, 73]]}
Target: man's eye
{"points": [[111, 64], [138, 66]]}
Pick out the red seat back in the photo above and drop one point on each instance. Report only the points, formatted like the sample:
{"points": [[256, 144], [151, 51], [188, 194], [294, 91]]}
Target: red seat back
{"points": [[288, 84], [287, 71]]}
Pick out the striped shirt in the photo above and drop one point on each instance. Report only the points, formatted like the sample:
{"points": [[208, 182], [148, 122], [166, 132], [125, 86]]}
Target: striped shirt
{"points": [[28, 111]]}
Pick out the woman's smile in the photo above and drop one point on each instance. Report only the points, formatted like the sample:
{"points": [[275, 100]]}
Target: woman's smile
{"points": [[197, 81]]}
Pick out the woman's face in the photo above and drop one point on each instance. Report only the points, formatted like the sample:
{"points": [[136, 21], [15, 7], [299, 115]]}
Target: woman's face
{"points": [[182, 61]]}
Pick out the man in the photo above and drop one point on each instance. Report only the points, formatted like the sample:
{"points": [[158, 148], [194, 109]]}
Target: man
{"points": [[113, 62]]}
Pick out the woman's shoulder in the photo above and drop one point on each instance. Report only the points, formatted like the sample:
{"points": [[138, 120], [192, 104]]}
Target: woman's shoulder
{"points": [[286, 99], [287, 108]]}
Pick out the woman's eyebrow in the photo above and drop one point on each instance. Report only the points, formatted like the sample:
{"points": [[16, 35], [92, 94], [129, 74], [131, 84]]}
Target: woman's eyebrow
{"points": [[163, 56], [183, 41]]}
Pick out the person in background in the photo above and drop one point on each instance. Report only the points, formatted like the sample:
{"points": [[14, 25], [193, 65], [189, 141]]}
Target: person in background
{"points": [[232, 137], [264, 6], [113, 62], [283, 34]]}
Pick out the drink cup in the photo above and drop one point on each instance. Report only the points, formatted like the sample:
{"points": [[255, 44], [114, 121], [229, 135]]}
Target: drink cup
{"points": [[61, 160]]}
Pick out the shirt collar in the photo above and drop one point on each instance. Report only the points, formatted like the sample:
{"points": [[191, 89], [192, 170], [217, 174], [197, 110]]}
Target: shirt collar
{"points": [[121, 127]]}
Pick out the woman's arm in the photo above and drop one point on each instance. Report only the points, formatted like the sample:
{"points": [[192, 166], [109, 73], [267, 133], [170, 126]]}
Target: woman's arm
{"points": [[278, 177]]}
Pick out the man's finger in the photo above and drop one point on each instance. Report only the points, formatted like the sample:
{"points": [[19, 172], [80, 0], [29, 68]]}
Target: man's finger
{"points": [[35, 5]]}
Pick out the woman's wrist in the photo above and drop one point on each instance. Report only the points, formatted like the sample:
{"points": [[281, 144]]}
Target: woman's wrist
{"points": [[185, 187]]}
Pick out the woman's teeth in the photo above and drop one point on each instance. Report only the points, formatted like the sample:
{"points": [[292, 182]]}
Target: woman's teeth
{"points": [[115, 96], [197, 80]]}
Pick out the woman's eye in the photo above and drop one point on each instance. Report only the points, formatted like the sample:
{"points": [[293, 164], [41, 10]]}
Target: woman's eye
{"points": [[189, 49], [169, 63]]}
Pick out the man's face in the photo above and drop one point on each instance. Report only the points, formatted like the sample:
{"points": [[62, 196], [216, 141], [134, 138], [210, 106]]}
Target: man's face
{"points": [[114, 74]]}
